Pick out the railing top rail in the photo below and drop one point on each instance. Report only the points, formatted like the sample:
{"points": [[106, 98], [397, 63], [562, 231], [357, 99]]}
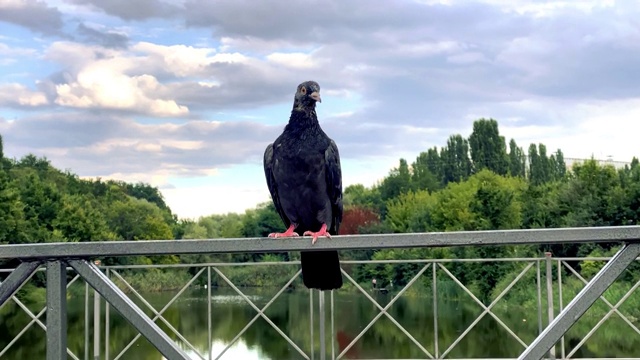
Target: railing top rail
{"points": [[345, 242], [297, 262]]}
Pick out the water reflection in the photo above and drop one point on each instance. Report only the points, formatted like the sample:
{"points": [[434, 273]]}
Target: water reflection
{"points": [[239, 350], [353, 312]]}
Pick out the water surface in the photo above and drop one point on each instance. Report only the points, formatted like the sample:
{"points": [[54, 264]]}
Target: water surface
{"points": [[230, 313]]}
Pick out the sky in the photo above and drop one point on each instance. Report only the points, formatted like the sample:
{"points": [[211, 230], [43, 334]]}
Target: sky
{"points": [[186, 94]]}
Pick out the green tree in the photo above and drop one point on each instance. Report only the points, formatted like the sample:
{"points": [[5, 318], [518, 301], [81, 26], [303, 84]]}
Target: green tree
{"points": [[411, 212], [421, 177], [12, 222], [359, 195], [456, 164], [397, 182], [488, 148], [559, 167], [79, 219], [261, 221], [540, 206], [434, 163], [497, 202], [517, 160], [592, 197]]}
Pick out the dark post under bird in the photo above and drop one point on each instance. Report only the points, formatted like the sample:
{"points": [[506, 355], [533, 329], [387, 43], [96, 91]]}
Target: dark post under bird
{"points": [[302, 167]]}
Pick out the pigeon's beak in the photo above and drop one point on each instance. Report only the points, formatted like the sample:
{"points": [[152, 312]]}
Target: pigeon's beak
{"points": [[315, 96]]}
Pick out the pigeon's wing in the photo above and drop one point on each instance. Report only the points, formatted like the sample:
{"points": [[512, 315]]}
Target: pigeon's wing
{"points": [[334, 185], [269, 165]]}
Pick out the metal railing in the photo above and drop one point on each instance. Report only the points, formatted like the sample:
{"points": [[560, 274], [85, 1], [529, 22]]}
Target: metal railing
{"points": [[56, 257]]}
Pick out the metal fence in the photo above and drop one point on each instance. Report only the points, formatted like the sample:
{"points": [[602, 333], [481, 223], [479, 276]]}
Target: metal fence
{"points": [[56, 257]]}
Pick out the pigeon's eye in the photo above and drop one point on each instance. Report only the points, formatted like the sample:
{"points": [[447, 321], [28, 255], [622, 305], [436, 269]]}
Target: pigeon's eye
{"points": [[303, 91]]}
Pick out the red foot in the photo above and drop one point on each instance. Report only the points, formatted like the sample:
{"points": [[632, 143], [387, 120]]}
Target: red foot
{"points": [[322, 232], [288, 233]]}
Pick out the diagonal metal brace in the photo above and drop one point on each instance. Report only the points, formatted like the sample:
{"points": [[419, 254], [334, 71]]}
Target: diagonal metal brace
{"points": [[129, 310], [158, 314], [582, 302], [611, 306], [16, 279]]}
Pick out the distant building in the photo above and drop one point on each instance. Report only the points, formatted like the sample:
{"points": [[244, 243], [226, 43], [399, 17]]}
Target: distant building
{"points": [[616, 164]]}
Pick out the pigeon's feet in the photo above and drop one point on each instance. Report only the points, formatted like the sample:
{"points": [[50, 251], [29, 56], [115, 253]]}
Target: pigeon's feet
{"points": [[323, 232], [288, 233]]}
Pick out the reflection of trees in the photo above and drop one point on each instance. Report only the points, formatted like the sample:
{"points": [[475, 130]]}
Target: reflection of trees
{"points": [[291, 313]]}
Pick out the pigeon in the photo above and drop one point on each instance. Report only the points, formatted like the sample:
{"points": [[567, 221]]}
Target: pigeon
{"points": [[302, 169]]}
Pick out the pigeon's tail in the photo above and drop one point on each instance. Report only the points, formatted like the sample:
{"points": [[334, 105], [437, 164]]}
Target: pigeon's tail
{"points": [[321, 270]]}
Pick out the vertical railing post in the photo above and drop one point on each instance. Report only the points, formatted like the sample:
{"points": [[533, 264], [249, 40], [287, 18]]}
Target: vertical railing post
{"points": [[210, 344], [96, 325], [56, 310], [107, 327], [321, 323], [550, 312], [539, 285], [87, 323], [333, 334], [312, 350], [560, 305], [435, 309]]}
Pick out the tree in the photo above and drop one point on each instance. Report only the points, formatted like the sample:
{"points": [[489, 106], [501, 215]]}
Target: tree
{"points": [[488, 148], [496, 202], [358, 195], [12, 223], [421, 177], [558, 167], [456, 164], [397, 182], [411, 212], [536, 176], [137, 219], [261, 221], [517, 160], [540, 206], [79, 219], [434, 163]]}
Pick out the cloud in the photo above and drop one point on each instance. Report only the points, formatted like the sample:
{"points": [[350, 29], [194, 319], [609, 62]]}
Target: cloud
{"points": [[515, 51], [18, 95], [142, 10], [100, 145], [32, 14], [154, 90], [168, 80], [108, 39], [97, 77], [11, 54]]}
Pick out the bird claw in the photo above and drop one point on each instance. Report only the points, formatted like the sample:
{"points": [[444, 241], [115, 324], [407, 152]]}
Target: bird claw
{"points": [[288, 233], [284, 234], [316, 235]]}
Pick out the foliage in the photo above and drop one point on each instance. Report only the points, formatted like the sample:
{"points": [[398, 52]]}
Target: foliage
{"points": [[469, 184]]}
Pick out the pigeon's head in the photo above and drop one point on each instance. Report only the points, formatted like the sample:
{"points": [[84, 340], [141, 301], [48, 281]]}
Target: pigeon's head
{"points": [[307, 94]]}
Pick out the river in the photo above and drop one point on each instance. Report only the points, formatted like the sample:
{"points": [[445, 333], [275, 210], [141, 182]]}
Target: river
{"points": [[353, 311]]}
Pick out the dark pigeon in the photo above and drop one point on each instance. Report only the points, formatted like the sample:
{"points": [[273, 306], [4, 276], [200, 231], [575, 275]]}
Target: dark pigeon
{"points": [[302, 167]]}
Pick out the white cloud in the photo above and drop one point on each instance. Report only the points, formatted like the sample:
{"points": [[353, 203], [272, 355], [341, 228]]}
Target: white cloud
{"points": [[100, 86], [7, 50], [101, 78], [182, 60], [467, 58], [402, 78], [602, 128], [295, 60], [18, 94]]}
